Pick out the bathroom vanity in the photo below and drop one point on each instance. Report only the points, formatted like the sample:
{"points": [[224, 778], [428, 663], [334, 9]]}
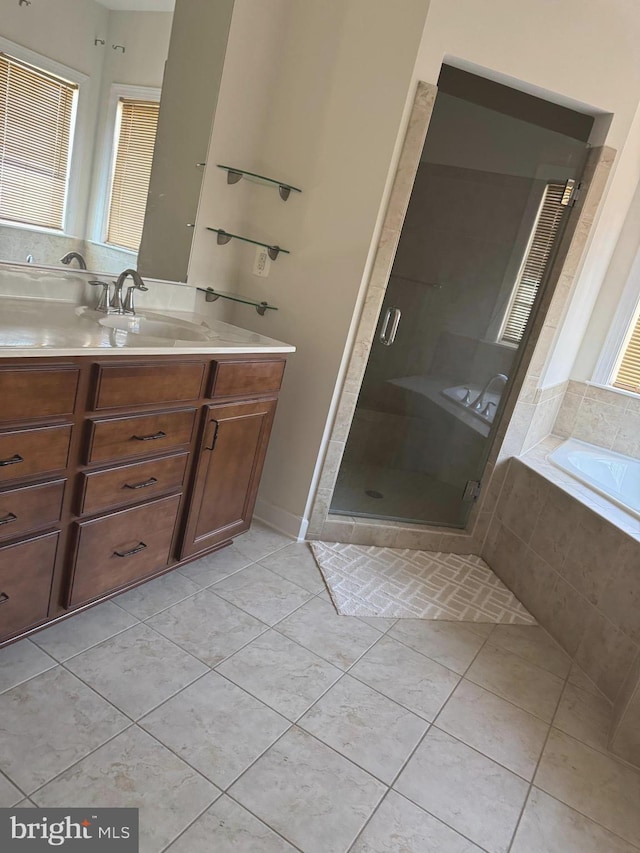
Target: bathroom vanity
{"points": [[122, 463]]}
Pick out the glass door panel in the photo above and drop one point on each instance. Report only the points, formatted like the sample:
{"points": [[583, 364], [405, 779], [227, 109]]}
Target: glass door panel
{"points": [[486, 211]]}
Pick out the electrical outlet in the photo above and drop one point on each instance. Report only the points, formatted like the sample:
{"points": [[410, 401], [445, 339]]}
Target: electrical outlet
{"points": [[261, 262]]}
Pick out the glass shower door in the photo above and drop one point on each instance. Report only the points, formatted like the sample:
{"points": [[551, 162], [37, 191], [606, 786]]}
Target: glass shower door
{"points": [[486, 211]]}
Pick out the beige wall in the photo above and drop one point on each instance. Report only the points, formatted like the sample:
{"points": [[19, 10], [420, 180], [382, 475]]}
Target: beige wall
{"points": [[340, 75], [340, 80]]}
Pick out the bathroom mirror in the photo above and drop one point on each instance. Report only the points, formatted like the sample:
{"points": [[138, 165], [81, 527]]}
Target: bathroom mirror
{"points": [[95, 97]]}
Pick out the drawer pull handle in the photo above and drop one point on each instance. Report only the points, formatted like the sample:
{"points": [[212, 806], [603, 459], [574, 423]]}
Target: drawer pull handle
{"points": [[130, 553], [3, 597], [150, 482], [13, 461], [153, 437], [8, 518]]}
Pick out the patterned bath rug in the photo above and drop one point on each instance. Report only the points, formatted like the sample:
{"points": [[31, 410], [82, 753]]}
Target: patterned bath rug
{"points": [[365, 580]]}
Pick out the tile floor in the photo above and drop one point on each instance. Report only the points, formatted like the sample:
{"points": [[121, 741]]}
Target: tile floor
{"points": [[233, 706]]}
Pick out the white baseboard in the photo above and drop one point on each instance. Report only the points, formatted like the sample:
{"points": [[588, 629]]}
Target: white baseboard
{"points": [[282, 520]]}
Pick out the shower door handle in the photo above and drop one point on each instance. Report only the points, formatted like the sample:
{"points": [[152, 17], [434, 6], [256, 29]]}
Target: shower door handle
{"points": [[387, 337]]}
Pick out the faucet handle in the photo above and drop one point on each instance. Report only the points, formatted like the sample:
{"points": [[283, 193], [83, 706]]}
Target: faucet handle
{"points": [[103, 301], [129, 307]]}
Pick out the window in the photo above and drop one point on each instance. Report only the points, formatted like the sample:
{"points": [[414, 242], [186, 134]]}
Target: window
{"points": [[627, 371], [37, 112], [536, 256], [135, 137]]}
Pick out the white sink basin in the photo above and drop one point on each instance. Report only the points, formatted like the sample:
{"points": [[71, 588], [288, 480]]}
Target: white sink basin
{"points": [[175, 330]]}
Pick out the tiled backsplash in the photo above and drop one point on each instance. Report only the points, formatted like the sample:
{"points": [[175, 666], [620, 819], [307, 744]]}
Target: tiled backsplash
{"points": [[601, 416], [64, 285]]}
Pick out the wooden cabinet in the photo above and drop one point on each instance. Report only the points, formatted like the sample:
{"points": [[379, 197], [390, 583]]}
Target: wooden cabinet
{"points": [[115, 470], [32, 452], [140, 384], [30, 508], [26, 570], [119, 438], [32, 393], [126, 484], [115, 549], [229, 464]]}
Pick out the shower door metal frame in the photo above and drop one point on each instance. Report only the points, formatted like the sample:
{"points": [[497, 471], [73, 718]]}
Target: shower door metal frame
{"points": [[533, 352]]}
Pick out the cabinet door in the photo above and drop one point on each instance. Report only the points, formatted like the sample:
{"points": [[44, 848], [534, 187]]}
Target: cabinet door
{"points": [[232, 450]]}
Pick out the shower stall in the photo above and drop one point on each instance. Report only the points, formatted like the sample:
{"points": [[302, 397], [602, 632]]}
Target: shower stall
{"points": [[498, 171]]}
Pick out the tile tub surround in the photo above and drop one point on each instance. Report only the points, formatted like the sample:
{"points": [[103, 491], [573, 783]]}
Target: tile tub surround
{"points": [[316, 733], [565, 554], [604, 416]]}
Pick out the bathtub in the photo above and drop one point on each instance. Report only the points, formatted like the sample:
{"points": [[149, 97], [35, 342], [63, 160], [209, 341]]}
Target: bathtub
{"points": [[613, 475]]}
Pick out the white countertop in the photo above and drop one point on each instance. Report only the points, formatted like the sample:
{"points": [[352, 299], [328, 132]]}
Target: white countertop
{"points": [[38, 327]]}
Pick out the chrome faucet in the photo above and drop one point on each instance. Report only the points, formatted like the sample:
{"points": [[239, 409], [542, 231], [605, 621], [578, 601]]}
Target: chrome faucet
{"points": [[71, 256], [110, 301], [479, 404], [138, 284]]}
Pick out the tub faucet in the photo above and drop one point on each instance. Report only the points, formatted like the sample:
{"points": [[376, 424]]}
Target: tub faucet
{"points": [[479, 403], [74, 256]]}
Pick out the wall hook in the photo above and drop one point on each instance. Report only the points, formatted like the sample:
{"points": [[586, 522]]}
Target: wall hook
{"points": [[99, 41], [118, 47], [24, 2]]}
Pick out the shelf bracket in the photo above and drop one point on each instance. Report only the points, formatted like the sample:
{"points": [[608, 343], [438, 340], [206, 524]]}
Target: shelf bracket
{"points": [[210, 295], [224, 237]]}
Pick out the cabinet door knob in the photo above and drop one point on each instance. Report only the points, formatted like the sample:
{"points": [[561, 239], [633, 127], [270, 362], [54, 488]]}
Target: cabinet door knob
{"points": [[13, 460], [154, 437], [130, 553], [8, 518], [150, 482]]}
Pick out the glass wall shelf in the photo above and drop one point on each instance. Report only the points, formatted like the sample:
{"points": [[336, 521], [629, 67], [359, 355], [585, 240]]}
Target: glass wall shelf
{"points": [[212, 295], [225, 236], [234, 175]]}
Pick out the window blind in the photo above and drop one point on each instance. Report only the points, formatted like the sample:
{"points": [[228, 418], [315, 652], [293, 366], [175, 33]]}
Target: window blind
{"points": [[135, 140], [536, 256], [36, 125], [628, 373]]}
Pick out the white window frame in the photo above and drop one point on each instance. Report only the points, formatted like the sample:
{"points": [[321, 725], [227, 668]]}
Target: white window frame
{"points": [[77, 142], [107, 158], [620, 331]]}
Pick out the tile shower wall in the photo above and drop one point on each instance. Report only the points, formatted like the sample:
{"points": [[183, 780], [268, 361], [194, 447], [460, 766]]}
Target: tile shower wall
{"points": [[578, 575]]}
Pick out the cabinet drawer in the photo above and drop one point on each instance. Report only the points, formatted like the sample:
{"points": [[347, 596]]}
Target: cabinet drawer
{"points": [[26, 570], [30, 508], [233, 378], [140, 384], [117, 549], [140, 435], [37, 393], [131, 483], [26, 452]]}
